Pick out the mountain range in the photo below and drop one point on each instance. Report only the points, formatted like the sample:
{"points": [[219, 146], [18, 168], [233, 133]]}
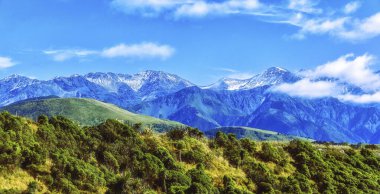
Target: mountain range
{"points": [[228, 102], [120, 89]]}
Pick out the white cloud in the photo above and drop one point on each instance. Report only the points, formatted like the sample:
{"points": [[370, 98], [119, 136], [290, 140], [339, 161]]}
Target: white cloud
{"points": [[308, 88], [307, 6], [6, 62], [202, 8], [362, 99], [362, 29], [308, 15], [196, 9], [63, 55], [335, 23], [351, 7], [142, 50], [343, 27], [324, 26], [317, 26], [186, 8], [350, 69]]}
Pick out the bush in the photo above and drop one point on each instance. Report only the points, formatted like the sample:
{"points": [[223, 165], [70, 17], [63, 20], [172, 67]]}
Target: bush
{"points": [[42, 120], [176, 134], [249, 145], [194, 132], [32, 187], [177, 189], [264, 187], [68, 158], [110, 161], [200, 181], [175, 178], [221, 139]]}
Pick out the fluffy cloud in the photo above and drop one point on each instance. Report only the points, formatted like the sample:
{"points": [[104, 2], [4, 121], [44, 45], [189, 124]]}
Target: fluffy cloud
{"points": [[142, 50], [308, 88], [351, 7], [350, 69], [345, 28], [6, 62], [346, 70]]}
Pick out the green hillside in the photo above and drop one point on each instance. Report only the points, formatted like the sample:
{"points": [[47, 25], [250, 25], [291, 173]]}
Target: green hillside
{"points": [[252, 133], [85, 112], [55, 155]]}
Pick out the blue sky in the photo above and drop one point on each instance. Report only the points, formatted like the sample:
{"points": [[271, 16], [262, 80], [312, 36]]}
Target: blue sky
{"points": [[200, 40]]}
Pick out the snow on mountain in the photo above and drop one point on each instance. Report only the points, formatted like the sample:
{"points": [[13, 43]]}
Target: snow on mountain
{"points": [[147, 84], [110, 81], [151, 84], [120, 89], [272, 76]]}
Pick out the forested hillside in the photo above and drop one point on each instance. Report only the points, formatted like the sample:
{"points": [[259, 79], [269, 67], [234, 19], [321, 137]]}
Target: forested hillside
{"points": [[56, 155]]}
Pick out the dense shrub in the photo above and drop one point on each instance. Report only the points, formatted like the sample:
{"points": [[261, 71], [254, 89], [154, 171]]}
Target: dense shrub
{"points": [[68, 158]]}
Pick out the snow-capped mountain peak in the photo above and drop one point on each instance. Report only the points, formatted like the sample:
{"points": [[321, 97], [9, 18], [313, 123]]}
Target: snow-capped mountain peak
{"points": [[158, 78], [271, 76]]}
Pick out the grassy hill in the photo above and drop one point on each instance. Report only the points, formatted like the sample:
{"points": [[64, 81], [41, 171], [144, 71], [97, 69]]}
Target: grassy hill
{"points": [[252, 133], [56, 155], [85, 112]]}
